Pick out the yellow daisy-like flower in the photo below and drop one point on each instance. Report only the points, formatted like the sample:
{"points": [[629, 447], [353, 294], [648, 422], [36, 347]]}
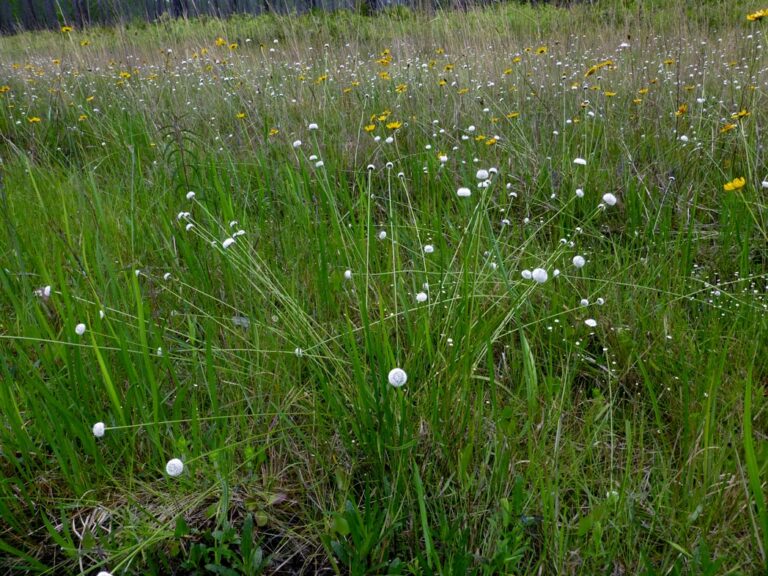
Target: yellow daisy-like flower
{"points": [[394, 125], [385, 75], [727, 128], [743, 113], [512, 115], [463, 91], [442, 82], [82, 118], [609, 94], [541, 50], [681, 110], [274, 131], [233, 46], [85, 42], [734, 184], [491, 141], [34, 119], [669, 61], [220, 41], [369, 127], [125, 75], [516, 60], [66, 29], [508, 71], [240, 115], [4, 89], [757, 16], [400, 88]]}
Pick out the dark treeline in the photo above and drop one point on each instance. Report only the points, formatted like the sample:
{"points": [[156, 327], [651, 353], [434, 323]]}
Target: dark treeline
{"points": [[18, 15]]}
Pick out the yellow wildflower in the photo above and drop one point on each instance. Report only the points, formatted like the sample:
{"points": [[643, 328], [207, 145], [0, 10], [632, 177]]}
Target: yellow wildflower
{"points": [[394, 125], [66, 29], [727, 128], [34, 119], [757, 16], [369, 127], [734, 184]]}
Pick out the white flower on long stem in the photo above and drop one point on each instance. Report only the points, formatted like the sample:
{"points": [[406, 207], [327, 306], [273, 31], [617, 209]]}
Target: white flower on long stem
{"points": [[591, 322], [526, 274], [540, 275], [580, 161], [174, 467], [190, 195], [397, 377], [227, 243], [421, 297], [348, 274], [80, 329], [98, 429], [464, 192], [579, 261], [609, 199], [313, 126]]}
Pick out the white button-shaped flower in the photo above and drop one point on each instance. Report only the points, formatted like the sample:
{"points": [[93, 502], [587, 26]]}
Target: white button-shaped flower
{"points": [[580, 161], [540, 275], [526, 274], [579, 193], [80, 329], [609, 199], [174, 467], [348, 274], [98, 429], [227, 243], [296, 143], [591, 322], [313, 126], [428, 249], [104, 573], [584, 302], [190, 195], [421, 297], [397, 377], [579, 261], [464, 192], [482, 175]]}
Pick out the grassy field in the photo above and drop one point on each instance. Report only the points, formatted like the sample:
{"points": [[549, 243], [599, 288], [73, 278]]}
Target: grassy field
{"points": [[220, 239]]}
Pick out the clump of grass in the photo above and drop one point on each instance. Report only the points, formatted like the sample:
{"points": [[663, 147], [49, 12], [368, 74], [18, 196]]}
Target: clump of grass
{"points": [[221, 240]]}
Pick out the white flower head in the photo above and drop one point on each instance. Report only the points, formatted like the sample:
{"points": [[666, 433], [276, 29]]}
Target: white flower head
{"points": [[348, 274], [526, 274], [584, 302], [464, 192], [540, 275], [579, 193], [764, 184], [397, 377], [428, 249], [80, 329], [174, 467], [104, 573], [227, 243], [609, 199], [296, 143], [313, 126], [98, 429], [591, 322], [579, 261], [580, 161], [421, 297], [482, 175], [319, 164], [190, 195]]}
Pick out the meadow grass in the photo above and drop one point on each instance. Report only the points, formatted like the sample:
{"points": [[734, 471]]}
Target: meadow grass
{"points": [[186, 260]]}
